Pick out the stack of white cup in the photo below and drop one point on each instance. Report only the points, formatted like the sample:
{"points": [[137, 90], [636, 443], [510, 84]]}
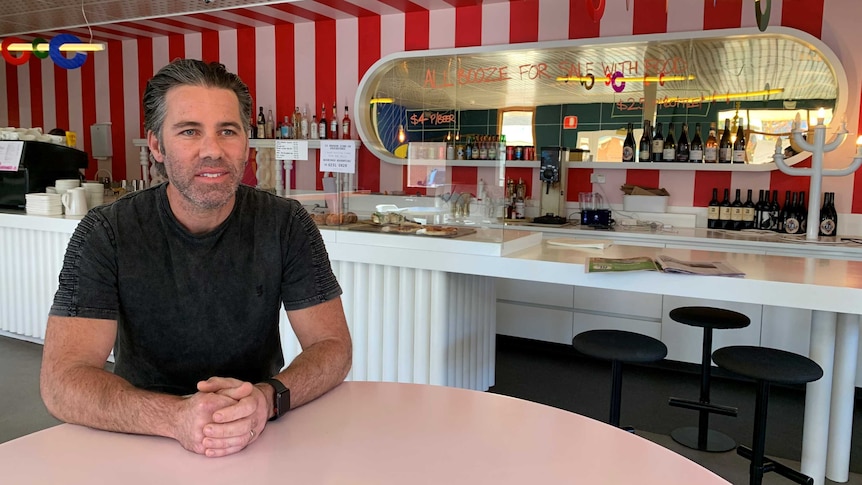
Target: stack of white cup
{"points": [[95, 193], [62, 185]]}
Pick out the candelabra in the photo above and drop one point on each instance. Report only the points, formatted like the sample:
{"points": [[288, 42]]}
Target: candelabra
{"points": [[818, 146]]}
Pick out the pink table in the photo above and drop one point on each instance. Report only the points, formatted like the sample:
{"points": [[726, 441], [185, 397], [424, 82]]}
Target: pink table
{"points": [[378, 433]]}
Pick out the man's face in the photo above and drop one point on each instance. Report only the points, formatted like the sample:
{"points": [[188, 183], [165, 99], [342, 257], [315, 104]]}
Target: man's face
{"points": [[204, 147]]}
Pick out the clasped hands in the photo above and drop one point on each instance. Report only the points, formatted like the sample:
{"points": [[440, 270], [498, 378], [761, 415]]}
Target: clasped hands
{"points": [[222, 418]]}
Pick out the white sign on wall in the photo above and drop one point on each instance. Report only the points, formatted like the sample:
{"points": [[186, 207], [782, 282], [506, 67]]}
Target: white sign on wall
{"points": [[337, 156]]}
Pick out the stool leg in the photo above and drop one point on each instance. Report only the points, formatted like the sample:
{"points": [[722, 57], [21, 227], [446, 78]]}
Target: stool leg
{"points": [[758, 444], [705, 373], [616, 392]]}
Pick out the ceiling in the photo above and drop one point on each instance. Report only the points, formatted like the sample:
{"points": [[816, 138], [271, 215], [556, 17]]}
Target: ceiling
{"points": [[129, 19]]}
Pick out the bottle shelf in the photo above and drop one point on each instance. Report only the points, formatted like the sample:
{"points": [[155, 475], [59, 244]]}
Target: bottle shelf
{"points": [[699, 167], [312, 144]]}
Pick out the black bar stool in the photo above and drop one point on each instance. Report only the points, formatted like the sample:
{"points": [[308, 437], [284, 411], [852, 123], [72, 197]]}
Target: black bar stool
{"points": [[767, 366], [700, 437], [618, 346]]}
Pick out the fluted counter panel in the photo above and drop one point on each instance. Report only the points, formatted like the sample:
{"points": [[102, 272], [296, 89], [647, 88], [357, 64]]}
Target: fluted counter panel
{"points": [[415, 325], [30, 261]]}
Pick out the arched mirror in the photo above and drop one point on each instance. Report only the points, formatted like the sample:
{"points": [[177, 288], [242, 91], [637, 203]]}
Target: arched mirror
{"points": [[583, 93]]}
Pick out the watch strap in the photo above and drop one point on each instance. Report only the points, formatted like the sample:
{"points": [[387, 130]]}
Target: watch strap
{"points": [[280, 399]]}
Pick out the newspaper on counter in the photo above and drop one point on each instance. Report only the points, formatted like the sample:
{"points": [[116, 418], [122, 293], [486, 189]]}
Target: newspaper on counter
{"points": [[661, 263]]}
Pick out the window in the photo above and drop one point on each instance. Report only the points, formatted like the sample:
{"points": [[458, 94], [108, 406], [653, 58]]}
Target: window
{"points": [[517, 126]]}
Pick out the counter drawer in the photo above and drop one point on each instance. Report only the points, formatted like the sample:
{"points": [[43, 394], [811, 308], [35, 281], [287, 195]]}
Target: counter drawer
{"points": [[535, 292], [537, 323], [589, 321], [618, 302]]}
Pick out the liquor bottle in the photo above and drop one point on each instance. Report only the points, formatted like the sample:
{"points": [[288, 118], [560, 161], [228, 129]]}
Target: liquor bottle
{"points": [[468, 149], [724, 212], [261, 124], [695, 152], [645, 143], [725, 147], [270, 125], [303, 125], [322, 126], [736, 212], [682, 147], [492, 147], [774, 214], [629, 144], [333, 124], [313, 130], [474, 153], [748, 212], [712, 211], [252, 130], [739, 146], [657, 144], [483, 147], [710, 150], [669, 149], [345, 125], [285, 129]]}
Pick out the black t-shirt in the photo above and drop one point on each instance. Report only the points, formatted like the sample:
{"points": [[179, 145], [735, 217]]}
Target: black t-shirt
{"points": [[190, 307]]}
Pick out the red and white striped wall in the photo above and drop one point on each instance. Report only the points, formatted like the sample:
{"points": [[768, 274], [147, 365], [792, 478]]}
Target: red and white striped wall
{"points": [[315, 52]]}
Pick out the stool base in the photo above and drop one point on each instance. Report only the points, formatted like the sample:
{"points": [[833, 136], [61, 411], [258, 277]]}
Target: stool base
{"points": [[716, 441]]}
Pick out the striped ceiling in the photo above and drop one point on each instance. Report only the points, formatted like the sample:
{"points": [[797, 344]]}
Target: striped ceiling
{"points": [[130, 19]]}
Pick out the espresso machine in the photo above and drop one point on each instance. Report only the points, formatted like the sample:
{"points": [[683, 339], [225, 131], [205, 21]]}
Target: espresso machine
{"points": [[553, 174]]}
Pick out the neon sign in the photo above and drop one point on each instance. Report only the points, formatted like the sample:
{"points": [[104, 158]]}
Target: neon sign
{"points": [[42, 49]]}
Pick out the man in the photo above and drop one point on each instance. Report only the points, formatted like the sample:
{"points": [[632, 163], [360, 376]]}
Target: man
{"points": [[184, 281]]}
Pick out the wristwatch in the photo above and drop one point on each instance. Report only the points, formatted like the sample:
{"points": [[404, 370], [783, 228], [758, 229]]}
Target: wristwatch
{"points": [[280, 400]]}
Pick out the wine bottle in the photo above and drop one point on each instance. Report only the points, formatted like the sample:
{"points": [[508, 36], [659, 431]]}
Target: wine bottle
{"points": [[695, 152], [345, 125], [748, 212], [736, 212], [712, 210], [710, 150], [657, 144], [802, 213], [629, 144], [775, 214], [468, 148], [333, 124], [322, 126], [724, 211], [682, 146], [725, 147], [669, 150], [827, 221], [738, 155], [252, 133], [761, 209], [261, 124], [791, 222], [645, 143]]}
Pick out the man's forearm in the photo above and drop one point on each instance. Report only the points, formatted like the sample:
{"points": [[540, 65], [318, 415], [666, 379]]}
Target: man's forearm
{"points": [[317, 369], [99, 399]]}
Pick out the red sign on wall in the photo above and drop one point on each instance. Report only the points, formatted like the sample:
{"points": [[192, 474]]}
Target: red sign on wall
{"points": [[570, 122]]}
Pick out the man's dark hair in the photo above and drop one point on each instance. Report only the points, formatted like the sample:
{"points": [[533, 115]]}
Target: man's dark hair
{"points": [[190, 72]]}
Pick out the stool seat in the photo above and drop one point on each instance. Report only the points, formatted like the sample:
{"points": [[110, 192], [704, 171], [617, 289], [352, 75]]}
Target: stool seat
{"points": [[619, 345], [709, 317], [765, 364]]}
